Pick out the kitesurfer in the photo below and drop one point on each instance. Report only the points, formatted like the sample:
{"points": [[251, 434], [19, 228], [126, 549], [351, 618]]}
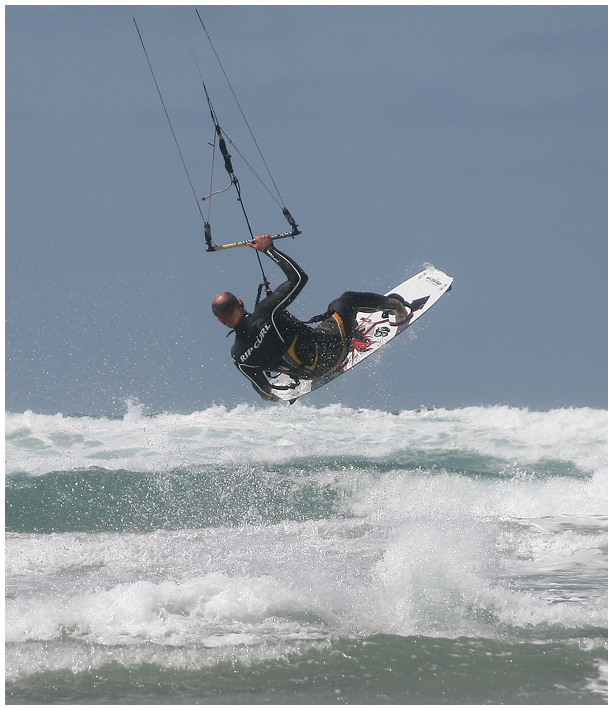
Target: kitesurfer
{"points": [[272, 340]]}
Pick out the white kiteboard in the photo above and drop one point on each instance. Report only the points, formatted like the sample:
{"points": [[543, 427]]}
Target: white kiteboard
{"points": [[374, 330]]}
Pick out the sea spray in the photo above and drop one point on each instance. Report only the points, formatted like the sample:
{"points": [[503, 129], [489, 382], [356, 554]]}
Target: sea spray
{"points": [[306, 555]]}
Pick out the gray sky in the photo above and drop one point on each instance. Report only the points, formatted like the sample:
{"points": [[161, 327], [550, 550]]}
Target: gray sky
{"points": [[470, 137]]}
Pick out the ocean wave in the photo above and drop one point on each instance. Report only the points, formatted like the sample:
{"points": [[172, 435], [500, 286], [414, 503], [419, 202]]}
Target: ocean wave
{"points": [[37, 443], [175, 547], [380, 669]]}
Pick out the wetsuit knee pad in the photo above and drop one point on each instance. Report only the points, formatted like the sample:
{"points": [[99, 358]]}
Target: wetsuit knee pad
{"points": [[346, 306], [345, 300]]}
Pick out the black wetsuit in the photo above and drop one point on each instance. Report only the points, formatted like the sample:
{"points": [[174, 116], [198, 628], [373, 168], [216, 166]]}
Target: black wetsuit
{"points": [[272, 340]]}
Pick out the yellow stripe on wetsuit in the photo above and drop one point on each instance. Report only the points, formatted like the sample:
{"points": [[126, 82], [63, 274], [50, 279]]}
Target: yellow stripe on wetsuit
{"points": [[291, 351]]}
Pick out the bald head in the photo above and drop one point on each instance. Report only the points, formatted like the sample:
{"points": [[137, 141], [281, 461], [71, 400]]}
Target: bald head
{"points": [[228, 308], [224, 303]]}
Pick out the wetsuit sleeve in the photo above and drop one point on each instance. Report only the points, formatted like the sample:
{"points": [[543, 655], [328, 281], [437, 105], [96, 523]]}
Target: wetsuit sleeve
{"points": [[258, 380], [266, 312], [296, 280]]}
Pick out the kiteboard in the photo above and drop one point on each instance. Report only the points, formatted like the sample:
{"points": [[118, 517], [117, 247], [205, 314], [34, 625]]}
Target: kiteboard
{"points": [[374, 330]]}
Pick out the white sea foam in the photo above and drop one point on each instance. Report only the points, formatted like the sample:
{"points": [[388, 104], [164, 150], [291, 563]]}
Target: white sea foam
{"points": [[239, 590], [39, 443], [418, 546]]}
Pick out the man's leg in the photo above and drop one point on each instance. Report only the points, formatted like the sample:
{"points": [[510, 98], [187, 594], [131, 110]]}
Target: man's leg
{"points": [[336, 326], [351, 302]]}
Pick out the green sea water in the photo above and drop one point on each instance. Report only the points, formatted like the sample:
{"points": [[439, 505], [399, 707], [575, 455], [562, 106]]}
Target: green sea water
{"points": [[337, 557]]}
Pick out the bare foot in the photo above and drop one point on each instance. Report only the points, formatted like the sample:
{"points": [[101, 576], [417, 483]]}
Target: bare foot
{"points": [[400, 310]]}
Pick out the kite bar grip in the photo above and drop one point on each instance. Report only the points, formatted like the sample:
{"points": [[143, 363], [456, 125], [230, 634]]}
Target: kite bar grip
{"points": [[213, 247]]}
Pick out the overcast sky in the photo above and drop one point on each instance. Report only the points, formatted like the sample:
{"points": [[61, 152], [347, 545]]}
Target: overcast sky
{"points": [[470, 137]]}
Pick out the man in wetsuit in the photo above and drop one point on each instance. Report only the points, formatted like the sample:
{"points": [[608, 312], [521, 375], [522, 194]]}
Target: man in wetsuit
{"points": [[272, 340]]}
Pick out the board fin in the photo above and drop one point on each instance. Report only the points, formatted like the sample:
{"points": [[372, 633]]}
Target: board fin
{"points": [[418, 303]]}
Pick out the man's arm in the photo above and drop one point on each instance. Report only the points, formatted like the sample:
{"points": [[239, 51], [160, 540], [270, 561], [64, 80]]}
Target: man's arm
{"points": [[259, 382], [296, 277]]}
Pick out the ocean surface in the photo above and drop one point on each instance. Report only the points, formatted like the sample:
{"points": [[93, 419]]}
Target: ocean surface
{"points": [[303, 555]]}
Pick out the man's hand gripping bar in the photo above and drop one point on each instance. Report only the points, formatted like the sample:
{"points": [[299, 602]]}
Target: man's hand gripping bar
{"points": [[233, 245], [210, 246]]}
